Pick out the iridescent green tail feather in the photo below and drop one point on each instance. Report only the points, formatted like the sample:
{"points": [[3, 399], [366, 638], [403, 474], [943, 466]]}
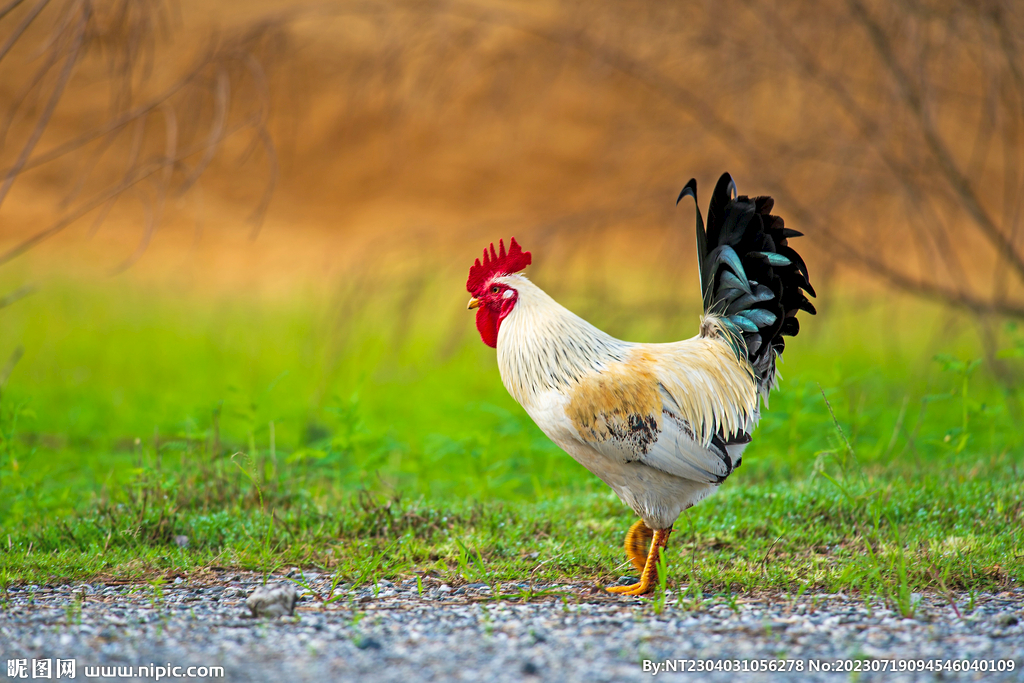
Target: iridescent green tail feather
{"points": [[749, 275]]}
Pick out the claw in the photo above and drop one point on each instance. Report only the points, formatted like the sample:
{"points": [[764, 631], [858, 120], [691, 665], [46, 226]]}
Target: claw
{"points": [[635, 589]]}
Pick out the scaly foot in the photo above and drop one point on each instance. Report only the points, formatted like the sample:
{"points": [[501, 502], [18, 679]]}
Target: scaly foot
{"points": [[638, 543], [635, 589], [649, 575]]}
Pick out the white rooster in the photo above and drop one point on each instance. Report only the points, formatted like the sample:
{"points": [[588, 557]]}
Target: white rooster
{"points": [[662, 424]]}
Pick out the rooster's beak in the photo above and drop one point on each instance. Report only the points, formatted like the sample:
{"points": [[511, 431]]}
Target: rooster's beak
{"points": [[475, 303]]}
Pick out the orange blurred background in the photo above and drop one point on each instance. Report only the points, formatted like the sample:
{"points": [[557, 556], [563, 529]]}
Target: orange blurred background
{"points": [[312, 142]]}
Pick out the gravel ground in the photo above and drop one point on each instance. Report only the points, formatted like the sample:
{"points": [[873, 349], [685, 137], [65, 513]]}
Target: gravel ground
{"points": [[397, 633]]}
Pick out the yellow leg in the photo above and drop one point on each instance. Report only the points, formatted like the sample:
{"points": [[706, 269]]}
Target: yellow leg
{"points": [[649, 575], [638, 541]]}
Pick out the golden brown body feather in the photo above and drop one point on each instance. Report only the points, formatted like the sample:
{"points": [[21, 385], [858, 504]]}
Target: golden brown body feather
{"points": [[601, 404]]}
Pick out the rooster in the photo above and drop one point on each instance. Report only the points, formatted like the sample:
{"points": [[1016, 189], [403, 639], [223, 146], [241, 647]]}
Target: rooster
{"points": [[662, 424]]}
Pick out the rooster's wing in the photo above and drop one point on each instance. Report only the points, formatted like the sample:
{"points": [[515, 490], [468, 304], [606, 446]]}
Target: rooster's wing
{"points": [[673, 407]]}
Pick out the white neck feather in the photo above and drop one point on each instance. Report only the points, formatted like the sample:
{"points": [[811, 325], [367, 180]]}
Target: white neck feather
{"points": [[542, 345]]}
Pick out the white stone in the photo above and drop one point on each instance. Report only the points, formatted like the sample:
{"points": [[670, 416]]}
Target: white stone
{"points": [[273, 600]]}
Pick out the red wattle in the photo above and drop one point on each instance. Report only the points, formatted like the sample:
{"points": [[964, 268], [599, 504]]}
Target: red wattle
{"points": [[487, 325]]}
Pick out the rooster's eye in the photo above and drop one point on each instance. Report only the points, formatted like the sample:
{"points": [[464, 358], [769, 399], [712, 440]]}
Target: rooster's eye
{"points": [[495, 290]]}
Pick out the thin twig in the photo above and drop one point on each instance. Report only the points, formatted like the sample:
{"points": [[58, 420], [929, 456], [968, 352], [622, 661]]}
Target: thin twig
{"points": [[25, 23], [104, 197], [6, 9], [765, 558], [960, 184], [51, 105]]}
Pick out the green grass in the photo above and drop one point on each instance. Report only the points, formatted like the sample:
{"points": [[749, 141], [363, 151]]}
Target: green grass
{"points": [[379, 442]]}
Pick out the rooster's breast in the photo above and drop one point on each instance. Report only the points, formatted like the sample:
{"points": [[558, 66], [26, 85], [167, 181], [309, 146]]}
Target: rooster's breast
{"points": [[658, 497]]}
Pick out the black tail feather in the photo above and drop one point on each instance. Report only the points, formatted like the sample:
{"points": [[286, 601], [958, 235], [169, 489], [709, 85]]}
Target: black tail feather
{"points": [[750, 276]]}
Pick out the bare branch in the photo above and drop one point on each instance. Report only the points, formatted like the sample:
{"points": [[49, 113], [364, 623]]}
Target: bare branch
{"points": [[20, 29], [129, 182], [219, 119], [6, 9], [44, 117], [125, 31], [959, 182]]}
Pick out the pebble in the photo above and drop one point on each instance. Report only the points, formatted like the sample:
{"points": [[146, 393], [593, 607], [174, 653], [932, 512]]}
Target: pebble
{"points": [[274, 600], [1006, 619], [391, 632]]}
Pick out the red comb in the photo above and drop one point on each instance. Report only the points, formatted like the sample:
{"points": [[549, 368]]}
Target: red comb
{"points": [[497, 262]]}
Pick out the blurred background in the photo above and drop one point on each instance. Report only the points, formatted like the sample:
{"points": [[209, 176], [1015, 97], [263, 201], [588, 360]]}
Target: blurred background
{"points": [[244, 228]]}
